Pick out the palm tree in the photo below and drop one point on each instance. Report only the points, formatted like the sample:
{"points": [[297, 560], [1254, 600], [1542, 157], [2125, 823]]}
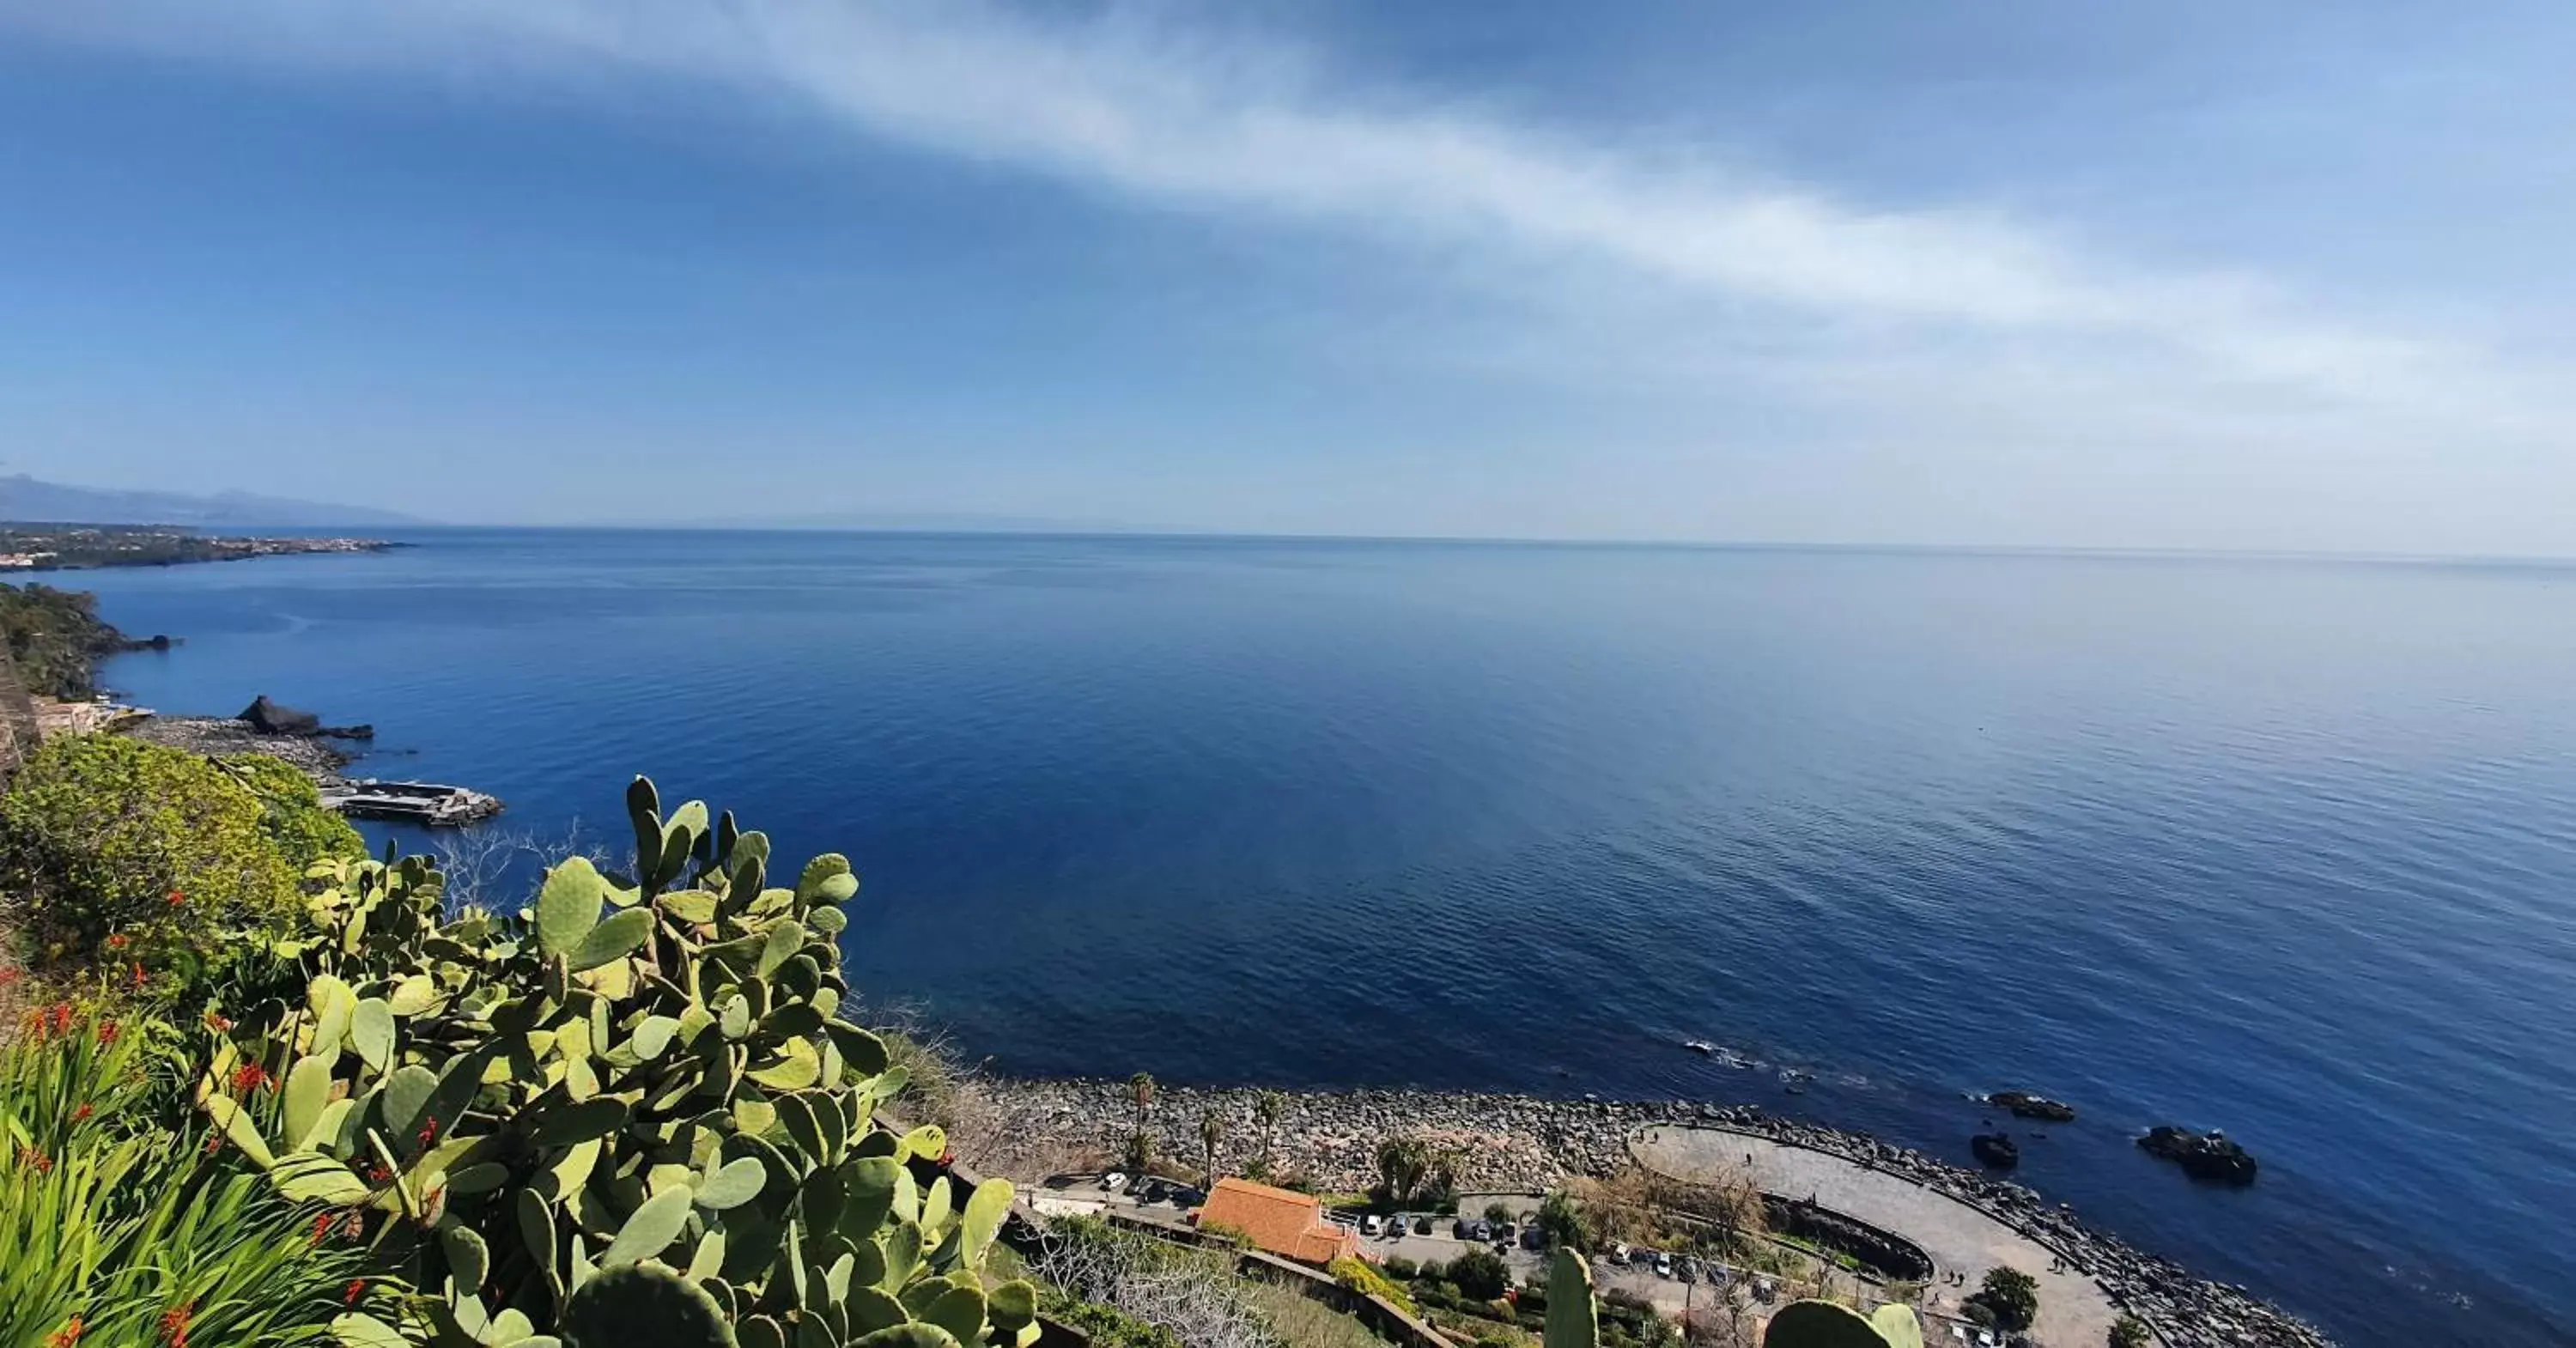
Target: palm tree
{"points": [[1211, 1132], [1140, 1088], [1401, 1162], [1266, 1109]]}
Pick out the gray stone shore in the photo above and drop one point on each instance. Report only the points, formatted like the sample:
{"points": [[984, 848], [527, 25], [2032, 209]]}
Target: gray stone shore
{"points": [[1514, 1142], [216, 735]]}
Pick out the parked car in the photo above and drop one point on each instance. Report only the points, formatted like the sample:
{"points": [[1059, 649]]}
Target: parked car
{"points": [[1422, 1226], [1663, 1266], [1619, 1252], [1533, 1238], [1114, 1181], [1686, 1269], [1506, 1232], [1370, 1225], [1183, 1196], [1459, 1229]]}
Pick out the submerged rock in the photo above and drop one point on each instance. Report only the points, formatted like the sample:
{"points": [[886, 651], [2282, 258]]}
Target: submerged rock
{"points": [[2205, 1156], [1997, 1150]]}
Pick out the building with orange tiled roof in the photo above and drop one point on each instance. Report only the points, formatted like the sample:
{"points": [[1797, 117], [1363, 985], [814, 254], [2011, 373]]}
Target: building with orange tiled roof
{"points": [[1288, 1224]]}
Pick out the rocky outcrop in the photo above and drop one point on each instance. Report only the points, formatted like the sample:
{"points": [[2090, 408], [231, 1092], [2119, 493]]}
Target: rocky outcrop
{"points": [[1996, 1150], [2203, 1156], [266, 717], [2024, 1105]]}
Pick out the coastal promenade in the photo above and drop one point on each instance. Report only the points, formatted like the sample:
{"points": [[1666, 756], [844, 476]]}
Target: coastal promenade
{"points": [[2073, 1308]]}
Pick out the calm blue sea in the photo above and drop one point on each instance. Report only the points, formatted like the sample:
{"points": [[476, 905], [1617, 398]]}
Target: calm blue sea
{"points": [[2283, 847]]}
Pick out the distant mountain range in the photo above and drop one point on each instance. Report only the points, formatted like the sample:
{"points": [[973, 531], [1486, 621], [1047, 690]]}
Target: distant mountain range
{"points": [[24, 499]]}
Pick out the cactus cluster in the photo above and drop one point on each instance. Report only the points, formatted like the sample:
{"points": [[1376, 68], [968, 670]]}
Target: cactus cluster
{"points": [[625, 1117]]}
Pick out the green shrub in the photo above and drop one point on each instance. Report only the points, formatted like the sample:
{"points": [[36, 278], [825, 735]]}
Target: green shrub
{"points": [[1106, 1327], [292, 815], [1361, 1276], [1481, 1274], [131, 853], [542, 1118], [2129, 1332], [1402, 1269], [118, 1230]]}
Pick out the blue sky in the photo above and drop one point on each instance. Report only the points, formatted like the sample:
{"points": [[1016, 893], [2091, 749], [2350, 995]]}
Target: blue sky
{"points": [[2185, 275]]}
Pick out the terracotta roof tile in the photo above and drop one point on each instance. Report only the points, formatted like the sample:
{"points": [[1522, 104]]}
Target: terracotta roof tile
{"points": [[1285, 1223]]}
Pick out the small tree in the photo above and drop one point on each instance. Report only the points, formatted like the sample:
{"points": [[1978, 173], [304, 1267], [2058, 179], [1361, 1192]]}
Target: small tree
{"points": [[1140, 1088], [2012, 1295], [2129, 1332], [1211, 1132], [1496, 1212], [1480, 1273], [1562, 1221], [1266, 1109]]}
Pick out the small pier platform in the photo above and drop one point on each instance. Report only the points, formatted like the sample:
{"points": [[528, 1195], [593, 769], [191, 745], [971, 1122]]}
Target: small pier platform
{"points": [[410, 802]]}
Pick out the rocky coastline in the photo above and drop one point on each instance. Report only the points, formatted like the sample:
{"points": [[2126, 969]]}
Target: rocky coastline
{"points": [[1528, 1143]]}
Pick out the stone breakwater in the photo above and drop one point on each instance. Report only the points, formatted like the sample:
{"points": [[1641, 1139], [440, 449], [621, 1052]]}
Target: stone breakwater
{"points": [[1516, 1142]]}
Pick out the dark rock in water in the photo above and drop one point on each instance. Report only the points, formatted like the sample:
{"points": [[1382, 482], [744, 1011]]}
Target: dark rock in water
{"points": [[2203, 1156], [2027, 1106], [1997, 1150], [272, 718]]}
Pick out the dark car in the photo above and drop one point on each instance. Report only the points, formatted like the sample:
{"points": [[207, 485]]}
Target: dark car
{"points": [[1533, 1239], [1463, 1229], [1422, 1226]]}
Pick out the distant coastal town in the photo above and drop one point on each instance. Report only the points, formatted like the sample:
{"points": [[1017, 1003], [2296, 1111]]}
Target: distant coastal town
{"points": [[72, 547]]}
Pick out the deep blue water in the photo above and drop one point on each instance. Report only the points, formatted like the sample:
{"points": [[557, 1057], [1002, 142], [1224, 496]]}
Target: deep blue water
{"points": [[2286, 847]]}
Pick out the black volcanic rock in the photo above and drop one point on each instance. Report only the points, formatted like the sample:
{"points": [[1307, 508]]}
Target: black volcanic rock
{"points": [[273, 718], [1996, 1150], [2024, 1105], [2204, 1156]]}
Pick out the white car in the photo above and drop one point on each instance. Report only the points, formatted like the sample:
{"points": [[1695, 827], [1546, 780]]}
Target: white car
{"points": [[1663, 1266], [1370, 1225], [1114, 1181]]}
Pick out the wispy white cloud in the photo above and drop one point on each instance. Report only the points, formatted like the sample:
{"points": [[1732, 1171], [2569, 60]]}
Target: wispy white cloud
{"points": [[1144, 110], [1953, 309]]}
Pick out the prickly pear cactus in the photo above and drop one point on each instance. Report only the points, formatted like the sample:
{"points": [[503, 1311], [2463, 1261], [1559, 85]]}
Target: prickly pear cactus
{"points": [[640, 1078], [1572, 1320], [1824, 1324]]}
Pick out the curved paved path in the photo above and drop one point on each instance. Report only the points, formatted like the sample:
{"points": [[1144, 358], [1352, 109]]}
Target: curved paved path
{"points": [[2073, 1309]]}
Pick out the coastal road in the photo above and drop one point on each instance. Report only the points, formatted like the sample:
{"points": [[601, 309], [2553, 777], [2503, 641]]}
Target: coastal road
{"points": [[2073, 1308]]}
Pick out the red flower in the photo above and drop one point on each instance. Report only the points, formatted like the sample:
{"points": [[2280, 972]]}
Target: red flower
{"points": [[214, 1143], [61, 1013], [81, 1115], [66, 1336], [177, 898], [357, 1288], [377, 1174], [140, 978], [248, 1077], [174, 1324], [107, 1032], [218, 1022], [116, 941], [35, 1160], [429, 1131]]}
